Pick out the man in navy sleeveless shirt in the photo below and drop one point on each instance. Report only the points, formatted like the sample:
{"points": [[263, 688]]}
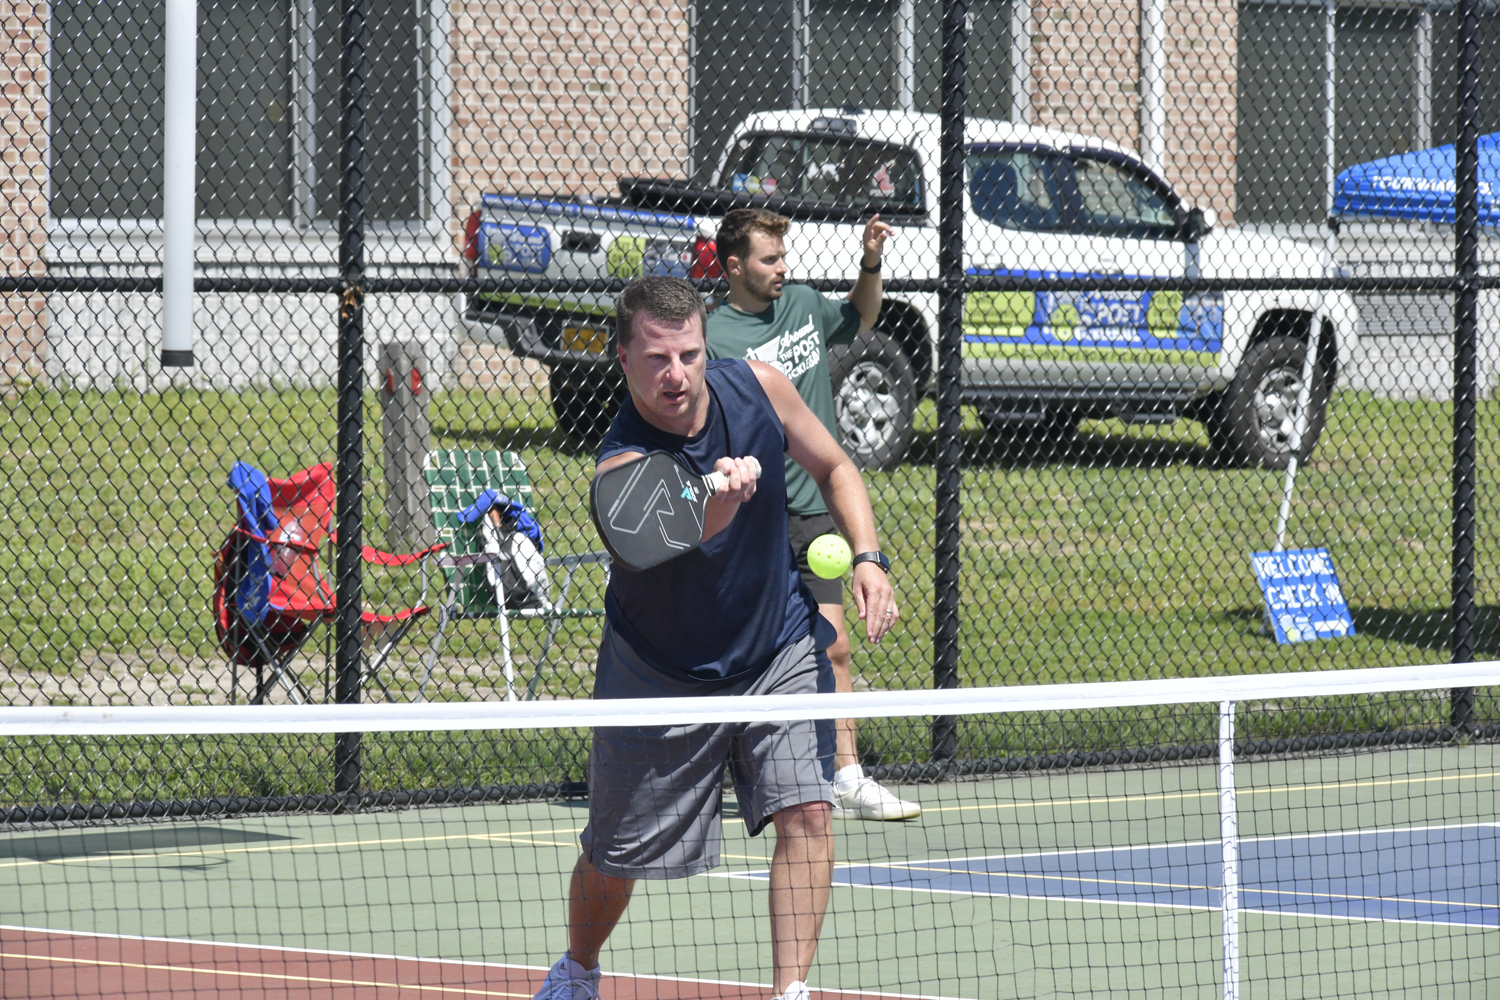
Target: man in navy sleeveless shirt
{"points": [[732, 617]]}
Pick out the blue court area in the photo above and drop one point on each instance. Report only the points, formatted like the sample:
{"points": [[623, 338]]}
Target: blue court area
{"points": [[1429, 875]]}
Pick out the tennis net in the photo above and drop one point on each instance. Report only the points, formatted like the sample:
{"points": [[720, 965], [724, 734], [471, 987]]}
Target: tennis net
{"points": [[1245, 861]]}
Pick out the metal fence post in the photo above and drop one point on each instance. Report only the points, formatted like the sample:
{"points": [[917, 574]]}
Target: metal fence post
{"points": [[948, 469], [1465, 351], [350, 514], [407, 433]]}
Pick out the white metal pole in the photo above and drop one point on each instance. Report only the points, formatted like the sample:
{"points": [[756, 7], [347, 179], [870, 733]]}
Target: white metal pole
{"points": [[1153, 83], [799, 54], [1229, 882], [179, 181], [906, 55], [1021, 86], [1423, 45]]}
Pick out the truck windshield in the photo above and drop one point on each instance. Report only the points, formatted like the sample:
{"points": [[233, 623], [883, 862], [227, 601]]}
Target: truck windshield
{"points": [[826, 168], [1016, 188]]}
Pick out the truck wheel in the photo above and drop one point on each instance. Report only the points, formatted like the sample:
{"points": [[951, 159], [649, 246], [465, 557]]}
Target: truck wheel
{"points": [[874, 398], [584, 400], [1252, 422]]}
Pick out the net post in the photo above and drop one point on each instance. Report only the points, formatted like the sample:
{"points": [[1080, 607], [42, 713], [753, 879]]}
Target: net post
{"points": [[348, 560], [947, 468], [1229, 891], [1465, 353]]}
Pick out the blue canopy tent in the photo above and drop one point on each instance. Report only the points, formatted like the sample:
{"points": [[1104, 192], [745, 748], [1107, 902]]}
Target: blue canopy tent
{"points": [[1417, 186]]}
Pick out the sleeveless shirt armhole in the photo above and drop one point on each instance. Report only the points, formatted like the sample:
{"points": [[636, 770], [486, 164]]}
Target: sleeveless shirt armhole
{"points": [[609, 453], [765, 401]]}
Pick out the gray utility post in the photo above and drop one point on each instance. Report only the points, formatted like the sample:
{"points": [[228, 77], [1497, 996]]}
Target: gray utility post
{"points": [[408, 437]]}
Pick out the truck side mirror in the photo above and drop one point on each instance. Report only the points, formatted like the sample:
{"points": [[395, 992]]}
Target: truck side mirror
{"points": [[1200, 221]]}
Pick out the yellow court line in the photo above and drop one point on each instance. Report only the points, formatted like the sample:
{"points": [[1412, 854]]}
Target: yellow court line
{"points": [[1211, 794], [260, 975], [528, 837]]}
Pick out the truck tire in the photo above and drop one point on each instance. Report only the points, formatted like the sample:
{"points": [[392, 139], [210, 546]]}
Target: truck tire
{"points": [[1251, 422], [584, 400], [874, 399]]}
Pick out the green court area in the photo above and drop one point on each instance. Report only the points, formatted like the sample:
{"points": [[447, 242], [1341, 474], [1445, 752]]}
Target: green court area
{"points": [[1367, 874]]}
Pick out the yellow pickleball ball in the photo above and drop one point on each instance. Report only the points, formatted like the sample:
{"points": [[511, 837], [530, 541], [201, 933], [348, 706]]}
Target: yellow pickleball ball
{"points": [[829, 556]]}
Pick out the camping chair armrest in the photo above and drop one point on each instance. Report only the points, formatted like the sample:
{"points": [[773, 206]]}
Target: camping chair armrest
{"points": [[285, 543], [464, 562], [379, 558], [376, 557]]}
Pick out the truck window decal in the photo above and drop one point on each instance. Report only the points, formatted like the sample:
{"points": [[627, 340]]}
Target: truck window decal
{"points": [[515, 248]]}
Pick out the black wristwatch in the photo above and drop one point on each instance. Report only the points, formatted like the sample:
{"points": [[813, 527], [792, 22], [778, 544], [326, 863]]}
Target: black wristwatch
{"points": [[877, 557], [869, 270]]}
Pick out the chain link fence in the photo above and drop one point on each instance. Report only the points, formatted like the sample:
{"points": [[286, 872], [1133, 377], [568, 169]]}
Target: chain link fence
{"points": [[1171, 283]]}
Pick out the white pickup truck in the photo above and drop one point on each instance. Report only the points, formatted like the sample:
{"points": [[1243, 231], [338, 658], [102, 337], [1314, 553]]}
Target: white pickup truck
{"points": [[1038, 202]]}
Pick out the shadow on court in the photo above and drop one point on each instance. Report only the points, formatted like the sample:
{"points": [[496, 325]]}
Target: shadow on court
{"points": [[127, 840]]}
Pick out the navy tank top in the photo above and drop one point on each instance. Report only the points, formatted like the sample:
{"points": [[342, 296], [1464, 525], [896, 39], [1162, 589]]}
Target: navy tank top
{"points": [[720, 613]]}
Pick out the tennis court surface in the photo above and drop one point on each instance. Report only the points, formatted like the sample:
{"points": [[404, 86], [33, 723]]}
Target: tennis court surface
{"points": [[1361, 871]]}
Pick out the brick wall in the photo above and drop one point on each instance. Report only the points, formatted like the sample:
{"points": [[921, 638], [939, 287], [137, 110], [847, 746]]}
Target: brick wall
{"points": [[1086, 78], [550, 96], [23, 187], [1201, 80]]}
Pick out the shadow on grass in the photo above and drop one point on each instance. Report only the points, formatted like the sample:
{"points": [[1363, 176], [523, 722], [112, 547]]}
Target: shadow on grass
{"points": [[1075, 448], [1431, 628], [1425, 628]]}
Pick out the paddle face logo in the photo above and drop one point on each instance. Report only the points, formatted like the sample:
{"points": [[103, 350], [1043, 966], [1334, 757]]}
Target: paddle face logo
{"points": [[643, 508]]}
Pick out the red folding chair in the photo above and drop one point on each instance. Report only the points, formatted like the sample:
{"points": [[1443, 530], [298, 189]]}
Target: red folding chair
{"points": [[270, 589]]}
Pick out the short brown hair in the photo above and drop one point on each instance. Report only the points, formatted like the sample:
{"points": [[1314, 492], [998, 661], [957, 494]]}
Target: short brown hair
{"points": [[734, 232], [670, 300]]}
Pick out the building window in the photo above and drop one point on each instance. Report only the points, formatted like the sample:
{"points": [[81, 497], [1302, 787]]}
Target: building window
{"points": [[788, 54], [268, 146]]}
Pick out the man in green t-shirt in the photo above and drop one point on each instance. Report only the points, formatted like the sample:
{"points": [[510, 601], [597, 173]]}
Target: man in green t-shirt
{"points": [[790, 328]]}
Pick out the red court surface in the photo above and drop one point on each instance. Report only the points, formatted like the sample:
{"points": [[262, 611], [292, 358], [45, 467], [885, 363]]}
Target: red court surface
{"points": [[43, 963]]}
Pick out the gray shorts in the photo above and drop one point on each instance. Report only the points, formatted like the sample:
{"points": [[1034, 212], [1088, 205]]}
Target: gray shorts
{"points": [[655, 792]]}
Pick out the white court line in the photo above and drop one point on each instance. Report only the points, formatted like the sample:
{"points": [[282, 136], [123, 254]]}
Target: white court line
{"points": [[932, 865]]}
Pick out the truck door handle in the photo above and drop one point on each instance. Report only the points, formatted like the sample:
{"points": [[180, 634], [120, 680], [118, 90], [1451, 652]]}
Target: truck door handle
{"points": [[580, 242]]}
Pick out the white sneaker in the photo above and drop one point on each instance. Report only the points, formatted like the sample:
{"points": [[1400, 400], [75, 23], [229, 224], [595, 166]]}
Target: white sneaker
{"points": [[867, 800], [564, 983], [796, 991]]}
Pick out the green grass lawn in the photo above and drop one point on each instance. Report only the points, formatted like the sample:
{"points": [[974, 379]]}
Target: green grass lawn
{"points": [[1119, 552]]}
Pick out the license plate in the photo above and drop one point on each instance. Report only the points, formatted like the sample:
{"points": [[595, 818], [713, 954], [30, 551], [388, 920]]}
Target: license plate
{"points": [[585, 338]]}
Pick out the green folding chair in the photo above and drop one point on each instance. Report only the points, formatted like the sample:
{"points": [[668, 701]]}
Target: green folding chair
{"points": [[455, 478]]}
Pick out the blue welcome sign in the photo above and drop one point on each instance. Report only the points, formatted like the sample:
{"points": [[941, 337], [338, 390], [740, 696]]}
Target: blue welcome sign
{"points": [[1303, 598]]}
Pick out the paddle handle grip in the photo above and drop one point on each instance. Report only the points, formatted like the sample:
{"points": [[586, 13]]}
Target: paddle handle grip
{"points": [[715, 481]]}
